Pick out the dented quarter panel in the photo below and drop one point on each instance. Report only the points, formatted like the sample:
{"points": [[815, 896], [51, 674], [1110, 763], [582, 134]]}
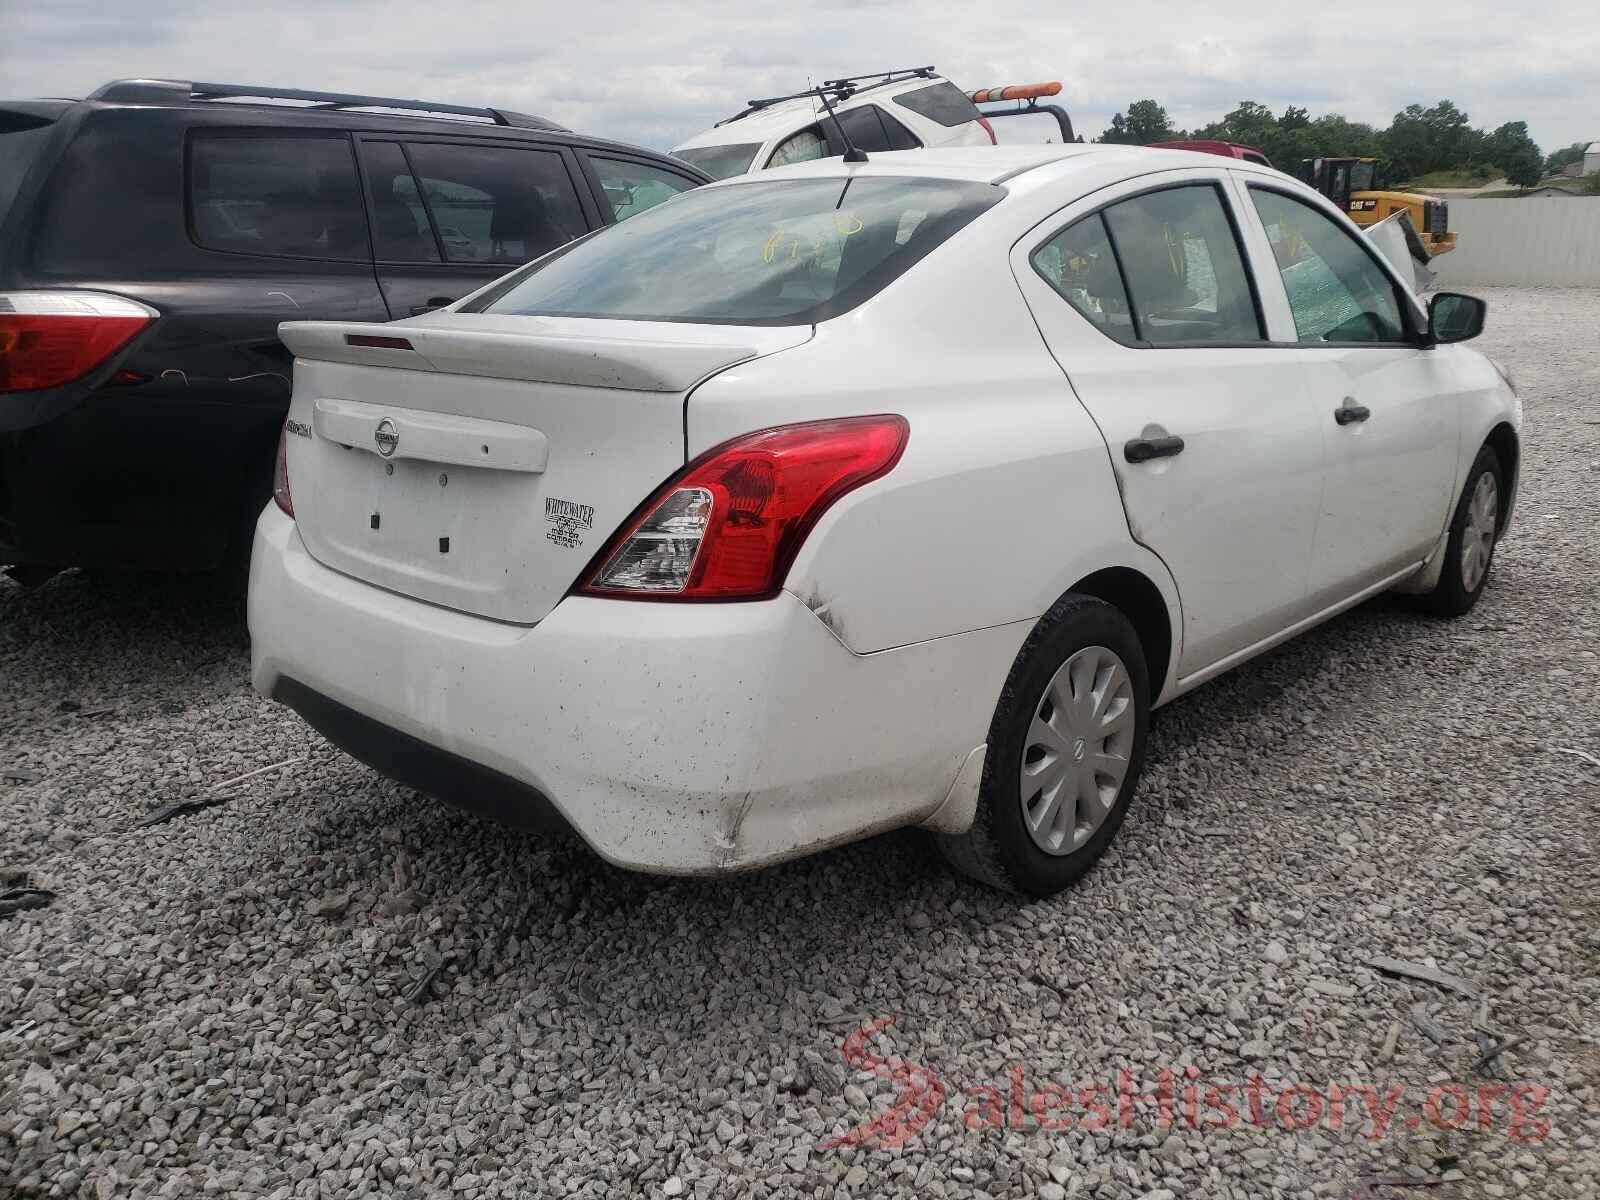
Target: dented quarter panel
{"points": [[1004, 497]]}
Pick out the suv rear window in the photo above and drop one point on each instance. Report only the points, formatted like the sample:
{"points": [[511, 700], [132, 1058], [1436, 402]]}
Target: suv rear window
{"points": [[21, 136], [785, 252], [943, 102], [287, 196]]}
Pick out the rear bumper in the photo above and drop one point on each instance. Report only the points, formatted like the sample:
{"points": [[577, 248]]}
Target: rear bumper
{"points": [[685, 739], [136, 477]]}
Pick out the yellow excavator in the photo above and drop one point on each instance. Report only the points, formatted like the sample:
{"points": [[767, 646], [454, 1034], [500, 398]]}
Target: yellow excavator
{"points": [[1358, 186]]}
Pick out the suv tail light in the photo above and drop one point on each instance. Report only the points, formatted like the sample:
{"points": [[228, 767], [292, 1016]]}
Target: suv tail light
{"points": [[280, 475], [989, 129], [728, 526], [51, 338]]}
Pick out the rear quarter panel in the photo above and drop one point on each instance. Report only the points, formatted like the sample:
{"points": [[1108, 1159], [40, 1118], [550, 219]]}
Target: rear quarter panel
{"points": [[1005, 495]]}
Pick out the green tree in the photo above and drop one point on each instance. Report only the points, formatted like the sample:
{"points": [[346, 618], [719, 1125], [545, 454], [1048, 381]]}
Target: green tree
{"points": [[1331, 135], [1250, 123], [1146, 122], [1432, 139], [1420, 139], [1514, 152]]}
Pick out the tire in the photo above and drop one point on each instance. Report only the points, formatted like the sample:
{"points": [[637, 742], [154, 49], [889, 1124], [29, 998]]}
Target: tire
{"points": [[1078, 639], [1469, 552]]}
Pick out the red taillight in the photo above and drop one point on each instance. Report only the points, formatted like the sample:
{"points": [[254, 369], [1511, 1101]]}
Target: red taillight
{"points": [[989, 129], [729, 525], [51, 338], [280, 475]]}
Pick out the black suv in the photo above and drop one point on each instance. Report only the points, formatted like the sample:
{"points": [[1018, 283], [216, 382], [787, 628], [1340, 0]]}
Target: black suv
{"points": [[153, 235]]}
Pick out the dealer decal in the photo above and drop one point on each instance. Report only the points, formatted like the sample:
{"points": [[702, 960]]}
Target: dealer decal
{"points": [[568, 521]]}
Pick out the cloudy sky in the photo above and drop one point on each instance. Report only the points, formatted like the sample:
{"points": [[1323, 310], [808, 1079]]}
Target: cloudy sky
{"points": [[657, 73]]}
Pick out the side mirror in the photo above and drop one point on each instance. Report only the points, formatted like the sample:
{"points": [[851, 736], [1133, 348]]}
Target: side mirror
{"points": [[1453, 317]]}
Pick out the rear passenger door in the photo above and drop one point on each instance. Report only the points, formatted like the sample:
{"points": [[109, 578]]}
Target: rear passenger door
{"points": [[448, 217], [1142, 294]]}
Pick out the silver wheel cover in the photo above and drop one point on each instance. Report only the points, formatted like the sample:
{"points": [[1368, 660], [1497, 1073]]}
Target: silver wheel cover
{"points": [[1477, 539], [1077, 750]]}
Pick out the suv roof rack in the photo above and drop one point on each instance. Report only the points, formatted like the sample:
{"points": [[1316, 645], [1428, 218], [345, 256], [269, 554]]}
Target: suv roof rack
{"points": [[837, 89], [168, 91]]}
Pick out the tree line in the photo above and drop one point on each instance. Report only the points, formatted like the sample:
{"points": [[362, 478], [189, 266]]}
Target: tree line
{"points": [[1418, 141]]}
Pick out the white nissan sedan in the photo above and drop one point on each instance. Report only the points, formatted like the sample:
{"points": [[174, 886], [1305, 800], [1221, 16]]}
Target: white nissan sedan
{"points": [[853, 496]]}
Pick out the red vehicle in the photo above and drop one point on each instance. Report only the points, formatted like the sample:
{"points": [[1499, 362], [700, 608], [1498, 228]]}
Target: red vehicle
{"points": [[1226, 149]]}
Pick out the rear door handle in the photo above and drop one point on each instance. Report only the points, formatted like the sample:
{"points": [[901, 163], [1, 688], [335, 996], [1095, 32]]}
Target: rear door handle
{"points": [[1348, 413], [433, 305], [1138, 450]]}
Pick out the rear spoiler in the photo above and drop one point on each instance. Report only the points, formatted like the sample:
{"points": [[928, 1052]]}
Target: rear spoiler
{"points": [[1027, 96], [514, 347]]}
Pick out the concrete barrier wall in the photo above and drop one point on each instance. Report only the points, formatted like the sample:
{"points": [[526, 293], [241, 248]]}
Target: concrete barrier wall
{"points": [[1540, 241]]}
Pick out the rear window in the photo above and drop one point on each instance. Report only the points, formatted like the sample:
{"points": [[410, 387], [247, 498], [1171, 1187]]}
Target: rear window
{"points": [[21, 137], [786, 252], [294, 197], [720, 162], [943, 102]]}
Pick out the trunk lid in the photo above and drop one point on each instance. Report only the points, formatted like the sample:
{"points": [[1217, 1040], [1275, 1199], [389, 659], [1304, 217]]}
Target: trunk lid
{"points": [[482, 467]]}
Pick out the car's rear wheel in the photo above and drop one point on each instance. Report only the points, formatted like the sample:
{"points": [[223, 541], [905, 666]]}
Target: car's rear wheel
{"points": [[1474, 529], [1065, 749]]}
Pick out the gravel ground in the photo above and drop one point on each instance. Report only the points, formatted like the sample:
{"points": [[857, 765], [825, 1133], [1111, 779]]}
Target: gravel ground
{"points": [[328, 985]]}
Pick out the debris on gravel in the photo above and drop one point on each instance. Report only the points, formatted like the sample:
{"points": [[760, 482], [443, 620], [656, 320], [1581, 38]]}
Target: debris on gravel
{"points": [[331, 986]]}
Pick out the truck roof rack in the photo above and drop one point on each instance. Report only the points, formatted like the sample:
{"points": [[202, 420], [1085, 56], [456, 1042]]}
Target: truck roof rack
{"points": [[836, 89], [168, 91], [1027, 97]]}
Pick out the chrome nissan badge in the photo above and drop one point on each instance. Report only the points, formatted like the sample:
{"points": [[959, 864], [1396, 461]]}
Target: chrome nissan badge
{"points": [[386, 437]]}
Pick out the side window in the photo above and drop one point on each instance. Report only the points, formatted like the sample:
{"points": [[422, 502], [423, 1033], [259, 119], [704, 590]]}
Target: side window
{"points": [[496, 204], [942, 102], [1079, 264], [1184, 272], [799, 147], [1337, 292], [864, 128], [633, 187], [291, 196], [400, 231], [898, 136]]}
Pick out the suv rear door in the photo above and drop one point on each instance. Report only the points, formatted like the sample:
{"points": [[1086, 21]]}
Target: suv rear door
{"points": [[226, 225], [450, 215]]}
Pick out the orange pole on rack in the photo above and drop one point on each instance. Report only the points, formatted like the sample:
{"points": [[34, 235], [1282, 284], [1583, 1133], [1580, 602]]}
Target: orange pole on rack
{"points": [[1015, 91]]}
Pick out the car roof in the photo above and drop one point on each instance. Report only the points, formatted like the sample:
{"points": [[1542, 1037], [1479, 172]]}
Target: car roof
{"points": [[295, 108], [784, 117]]}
